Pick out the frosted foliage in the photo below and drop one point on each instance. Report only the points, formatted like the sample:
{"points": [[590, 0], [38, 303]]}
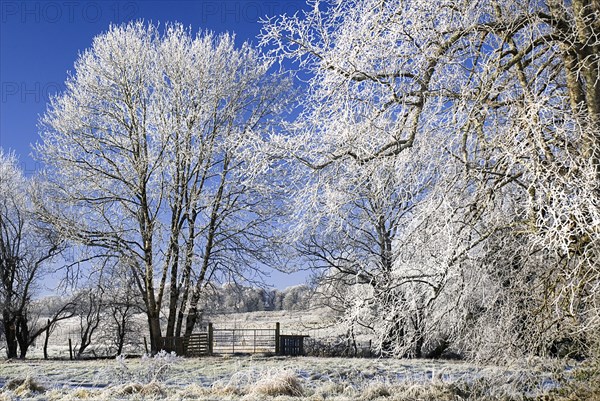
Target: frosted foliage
{"points": [[152, 152], [453, 165]]}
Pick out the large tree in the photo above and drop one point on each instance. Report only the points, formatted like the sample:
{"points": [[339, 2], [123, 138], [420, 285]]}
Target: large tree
{"points": [[511, 92], [150, 150]]}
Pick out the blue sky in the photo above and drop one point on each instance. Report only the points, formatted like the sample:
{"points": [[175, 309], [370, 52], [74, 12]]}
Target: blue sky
{"points": [[40, 41]]}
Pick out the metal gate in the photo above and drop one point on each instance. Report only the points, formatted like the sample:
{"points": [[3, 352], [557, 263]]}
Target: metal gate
{"points": [[250, 341]]}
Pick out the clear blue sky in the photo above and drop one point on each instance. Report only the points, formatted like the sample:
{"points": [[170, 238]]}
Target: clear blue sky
{"points": [[40, 41]]}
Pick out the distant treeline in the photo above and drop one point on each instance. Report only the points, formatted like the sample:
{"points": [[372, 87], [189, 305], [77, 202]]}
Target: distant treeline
{"points": [[232, 298]]}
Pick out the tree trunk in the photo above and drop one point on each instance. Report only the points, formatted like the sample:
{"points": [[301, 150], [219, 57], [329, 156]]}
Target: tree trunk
{"points": [[187, 270], [212, 227], [192, 318], [23, 336], [419, 345], [120, 344], [47, 339], [173, 296], [10, 333], [121, 332], [394, 338], [155, 332]]}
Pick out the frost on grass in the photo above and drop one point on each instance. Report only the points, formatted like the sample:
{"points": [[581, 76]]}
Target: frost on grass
{"points": [[146, 370], [254, 382], [376, 390], [306, 379], [281, 383], [24, 387], [152, 389]]}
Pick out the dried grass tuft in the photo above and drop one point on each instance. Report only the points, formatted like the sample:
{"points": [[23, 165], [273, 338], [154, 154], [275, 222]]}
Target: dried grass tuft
{"points": [[329, 390], [437, 392], [376, 390], [225, 390], [28, 388], [193, 392], [12, 384], [124, 389], [68, 394], [83, 394], [153, 389], [278, 384]]}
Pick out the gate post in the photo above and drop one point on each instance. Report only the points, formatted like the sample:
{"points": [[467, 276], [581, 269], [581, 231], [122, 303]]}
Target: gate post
{"points": [[277, 342], [210, 339]]}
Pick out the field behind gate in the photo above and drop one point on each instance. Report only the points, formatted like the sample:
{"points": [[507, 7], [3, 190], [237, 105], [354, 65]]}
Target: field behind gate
{"points": [[318, 324]]}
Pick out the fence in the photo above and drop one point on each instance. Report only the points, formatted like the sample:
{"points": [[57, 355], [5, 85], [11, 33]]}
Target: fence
{"points": [[234, 341], [292, 345], [197, 344]]}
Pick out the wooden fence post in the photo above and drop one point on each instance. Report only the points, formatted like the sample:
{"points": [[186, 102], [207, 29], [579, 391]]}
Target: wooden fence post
{"points": [[70, 350], [277, 335], [210, 339], [146, 344]]}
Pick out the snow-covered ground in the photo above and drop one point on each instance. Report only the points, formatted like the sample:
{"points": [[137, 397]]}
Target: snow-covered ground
{"points": [[259, 378]]}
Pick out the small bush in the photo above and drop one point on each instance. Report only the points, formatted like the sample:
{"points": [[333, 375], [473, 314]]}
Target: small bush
{"points": [[155, 368], [150, 369], [583, 385]]}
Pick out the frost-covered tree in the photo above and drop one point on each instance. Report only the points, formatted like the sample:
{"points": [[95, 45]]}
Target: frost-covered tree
{"points": [[510, 92], [151, 152], [90, 305], [384, 243], [26, 247], [120, 326]]}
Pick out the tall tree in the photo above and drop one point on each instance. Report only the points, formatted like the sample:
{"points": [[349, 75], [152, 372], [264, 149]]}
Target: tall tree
{"points": [[511, 91], [150, 150]]}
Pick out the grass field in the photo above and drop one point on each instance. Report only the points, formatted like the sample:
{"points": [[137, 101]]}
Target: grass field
{"points": [[258, 377], [264, 378]]}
